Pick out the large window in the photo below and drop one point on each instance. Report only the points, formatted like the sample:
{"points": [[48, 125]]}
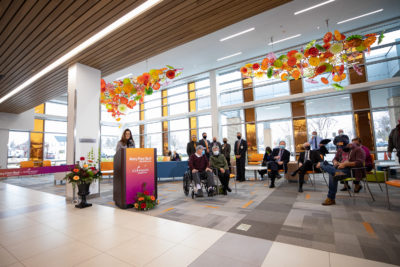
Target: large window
{"points": [[110, 135], [56, 109], [265, 88], [229, 88], [178, 100], [203, 94], [153, 137], [382, 130], [55, 148], [179, 135], [271, 133], [273, 112], [328, 104], [327, 127], [152, 106], [55, 126], [18, 148], [204, 123]]}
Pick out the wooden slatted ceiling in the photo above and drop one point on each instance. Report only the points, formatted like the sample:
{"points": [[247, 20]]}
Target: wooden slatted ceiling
{"points": [[35, 33]]}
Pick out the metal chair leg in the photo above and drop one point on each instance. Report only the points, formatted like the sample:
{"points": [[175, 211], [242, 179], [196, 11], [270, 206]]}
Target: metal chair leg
{"points": [[369, 190], [387, 197]]}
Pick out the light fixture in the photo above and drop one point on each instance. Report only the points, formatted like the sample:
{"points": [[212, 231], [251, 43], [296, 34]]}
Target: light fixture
{"points": [[312, 7], [285, 39], [120, 78], [101, 34], [364, 15], [233, 55], [236, 34]]}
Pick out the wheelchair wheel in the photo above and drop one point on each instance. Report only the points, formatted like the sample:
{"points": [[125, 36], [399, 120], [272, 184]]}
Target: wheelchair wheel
{"points": [[192, 194], [186, 183]]}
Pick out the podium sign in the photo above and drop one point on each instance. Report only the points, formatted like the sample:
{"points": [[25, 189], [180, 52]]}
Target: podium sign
{"points": [[132, 168]]}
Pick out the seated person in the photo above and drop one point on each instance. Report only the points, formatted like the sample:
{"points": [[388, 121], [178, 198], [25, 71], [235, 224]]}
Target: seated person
{"points": [[175, 157], [279, 160], [338, 171], [368, 166], [306, 161], [322, 147], [218, 161], [198, 164], [267, 158]]}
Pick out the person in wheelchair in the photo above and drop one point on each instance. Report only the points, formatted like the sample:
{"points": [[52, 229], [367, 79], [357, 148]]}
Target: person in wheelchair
{"points": [[199, 166], [218, 162]]}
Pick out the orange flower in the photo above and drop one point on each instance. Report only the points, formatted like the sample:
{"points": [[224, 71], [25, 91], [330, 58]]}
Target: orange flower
{"points": [[152, 198], [76, 170], [136, 205], [85, 166], [336, 78], [324, 80], [256, 66], [265, 62], [343, 76], [156, 86], [243, 70], [76, 178], [292, 61], [124, 100], [296, 74], [140, 198], [284, 77]]}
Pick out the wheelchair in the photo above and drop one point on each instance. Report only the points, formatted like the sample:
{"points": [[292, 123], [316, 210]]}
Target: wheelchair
{"points": [[188, 185]]}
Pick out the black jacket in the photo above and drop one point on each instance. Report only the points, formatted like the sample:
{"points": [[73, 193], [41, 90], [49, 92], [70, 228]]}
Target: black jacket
{"points": [[242, 148], [285, 156], [394, 140], [226, 150], [218, 144], [190, 148], [341, 138], [314, 156]]}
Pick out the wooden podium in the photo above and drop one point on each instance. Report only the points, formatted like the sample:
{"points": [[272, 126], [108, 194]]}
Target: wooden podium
{"points": [[132, 168]]}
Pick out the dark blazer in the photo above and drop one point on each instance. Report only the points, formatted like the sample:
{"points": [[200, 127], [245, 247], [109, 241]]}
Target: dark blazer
{"points": [[226, 150], [314, 156], [218, 144], [285, 156], [203, 143], [190, 148], [242, 148]]}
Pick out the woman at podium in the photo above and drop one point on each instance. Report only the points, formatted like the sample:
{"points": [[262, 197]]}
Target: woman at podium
{"points": [[126, 140]]}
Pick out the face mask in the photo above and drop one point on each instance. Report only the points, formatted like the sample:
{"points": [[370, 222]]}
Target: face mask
{"points": [[225, 141], [216, 153], [307, 147], [204, 136], [340, 134], [346, 149], [314, 135], [194, 139], [203, 152], [214, 140], [282, 146], [238, 137]]}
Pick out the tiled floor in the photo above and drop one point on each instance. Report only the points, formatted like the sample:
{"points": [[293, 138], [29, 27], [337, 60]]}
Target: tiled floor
{"points": [[40, 229], [276, 221]]}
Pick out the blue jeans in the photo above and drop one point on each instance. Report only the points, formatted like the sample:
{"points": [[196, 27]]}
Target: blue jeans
{"points": [[333, 183]]}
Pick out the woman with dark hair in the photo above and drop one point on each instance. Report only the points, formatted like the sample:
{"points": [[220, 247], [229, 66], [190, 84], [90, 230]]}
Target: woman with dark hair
{"points": [[126, 140], [266, 159]]}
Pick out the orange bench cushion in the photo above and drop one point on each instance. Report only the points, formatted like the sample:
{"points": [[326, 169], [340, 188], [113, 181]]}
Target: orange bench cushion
{"points": [[107, 166], [26, 164], [395, 183]]}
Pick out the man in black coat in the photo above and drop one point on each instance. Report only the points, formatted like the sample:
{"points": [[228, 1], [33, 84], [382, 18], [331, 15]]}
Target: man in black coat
{"points": [[280, 158], [306, 161], [191, 146], [341, 140], [216, 143], [206, 144], [240, 150]]}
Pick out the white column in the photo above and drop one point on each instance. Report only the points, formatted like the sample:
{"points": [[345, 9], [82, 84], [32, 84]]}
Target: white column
{"points": [[214, 104], [83, 116]]}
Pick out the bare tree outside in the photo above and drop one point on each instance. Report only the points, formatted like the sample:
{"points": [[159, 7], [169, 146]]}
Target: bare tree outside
{"points": [[322, 125]]}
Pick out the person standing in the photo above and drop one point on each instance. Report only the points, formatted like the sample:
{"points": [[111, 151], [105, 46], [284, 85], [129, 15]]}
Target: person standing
{"points": [[394, 141], [226, 151], [280, 158], [240, 150], [191, 146], [315, 141], [206, 144], [306, 161], [216, 143], [126, 140], [341, 140]]}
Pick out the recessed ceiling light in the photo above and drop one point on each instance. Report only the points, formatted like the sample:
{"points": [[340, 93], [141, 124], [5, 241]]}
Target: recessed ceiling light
{"points": [[364, 15], [120, 78], [237, 34], [312, 7], [285, 39], [233, 55], [101, 34]]}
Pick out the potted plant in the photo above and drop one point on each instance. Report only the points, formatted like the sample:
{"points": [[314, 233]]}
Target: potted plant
{"points": [[145, 200], [82, 175]]}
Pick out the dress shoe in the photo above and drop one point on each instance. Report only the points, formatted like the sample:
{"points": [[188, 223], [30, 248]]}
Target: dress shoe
{"points": [[228, 189], [328, 202], [210, 191], [357, 188], [293, 174], [271, 186], [300, 190]]}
